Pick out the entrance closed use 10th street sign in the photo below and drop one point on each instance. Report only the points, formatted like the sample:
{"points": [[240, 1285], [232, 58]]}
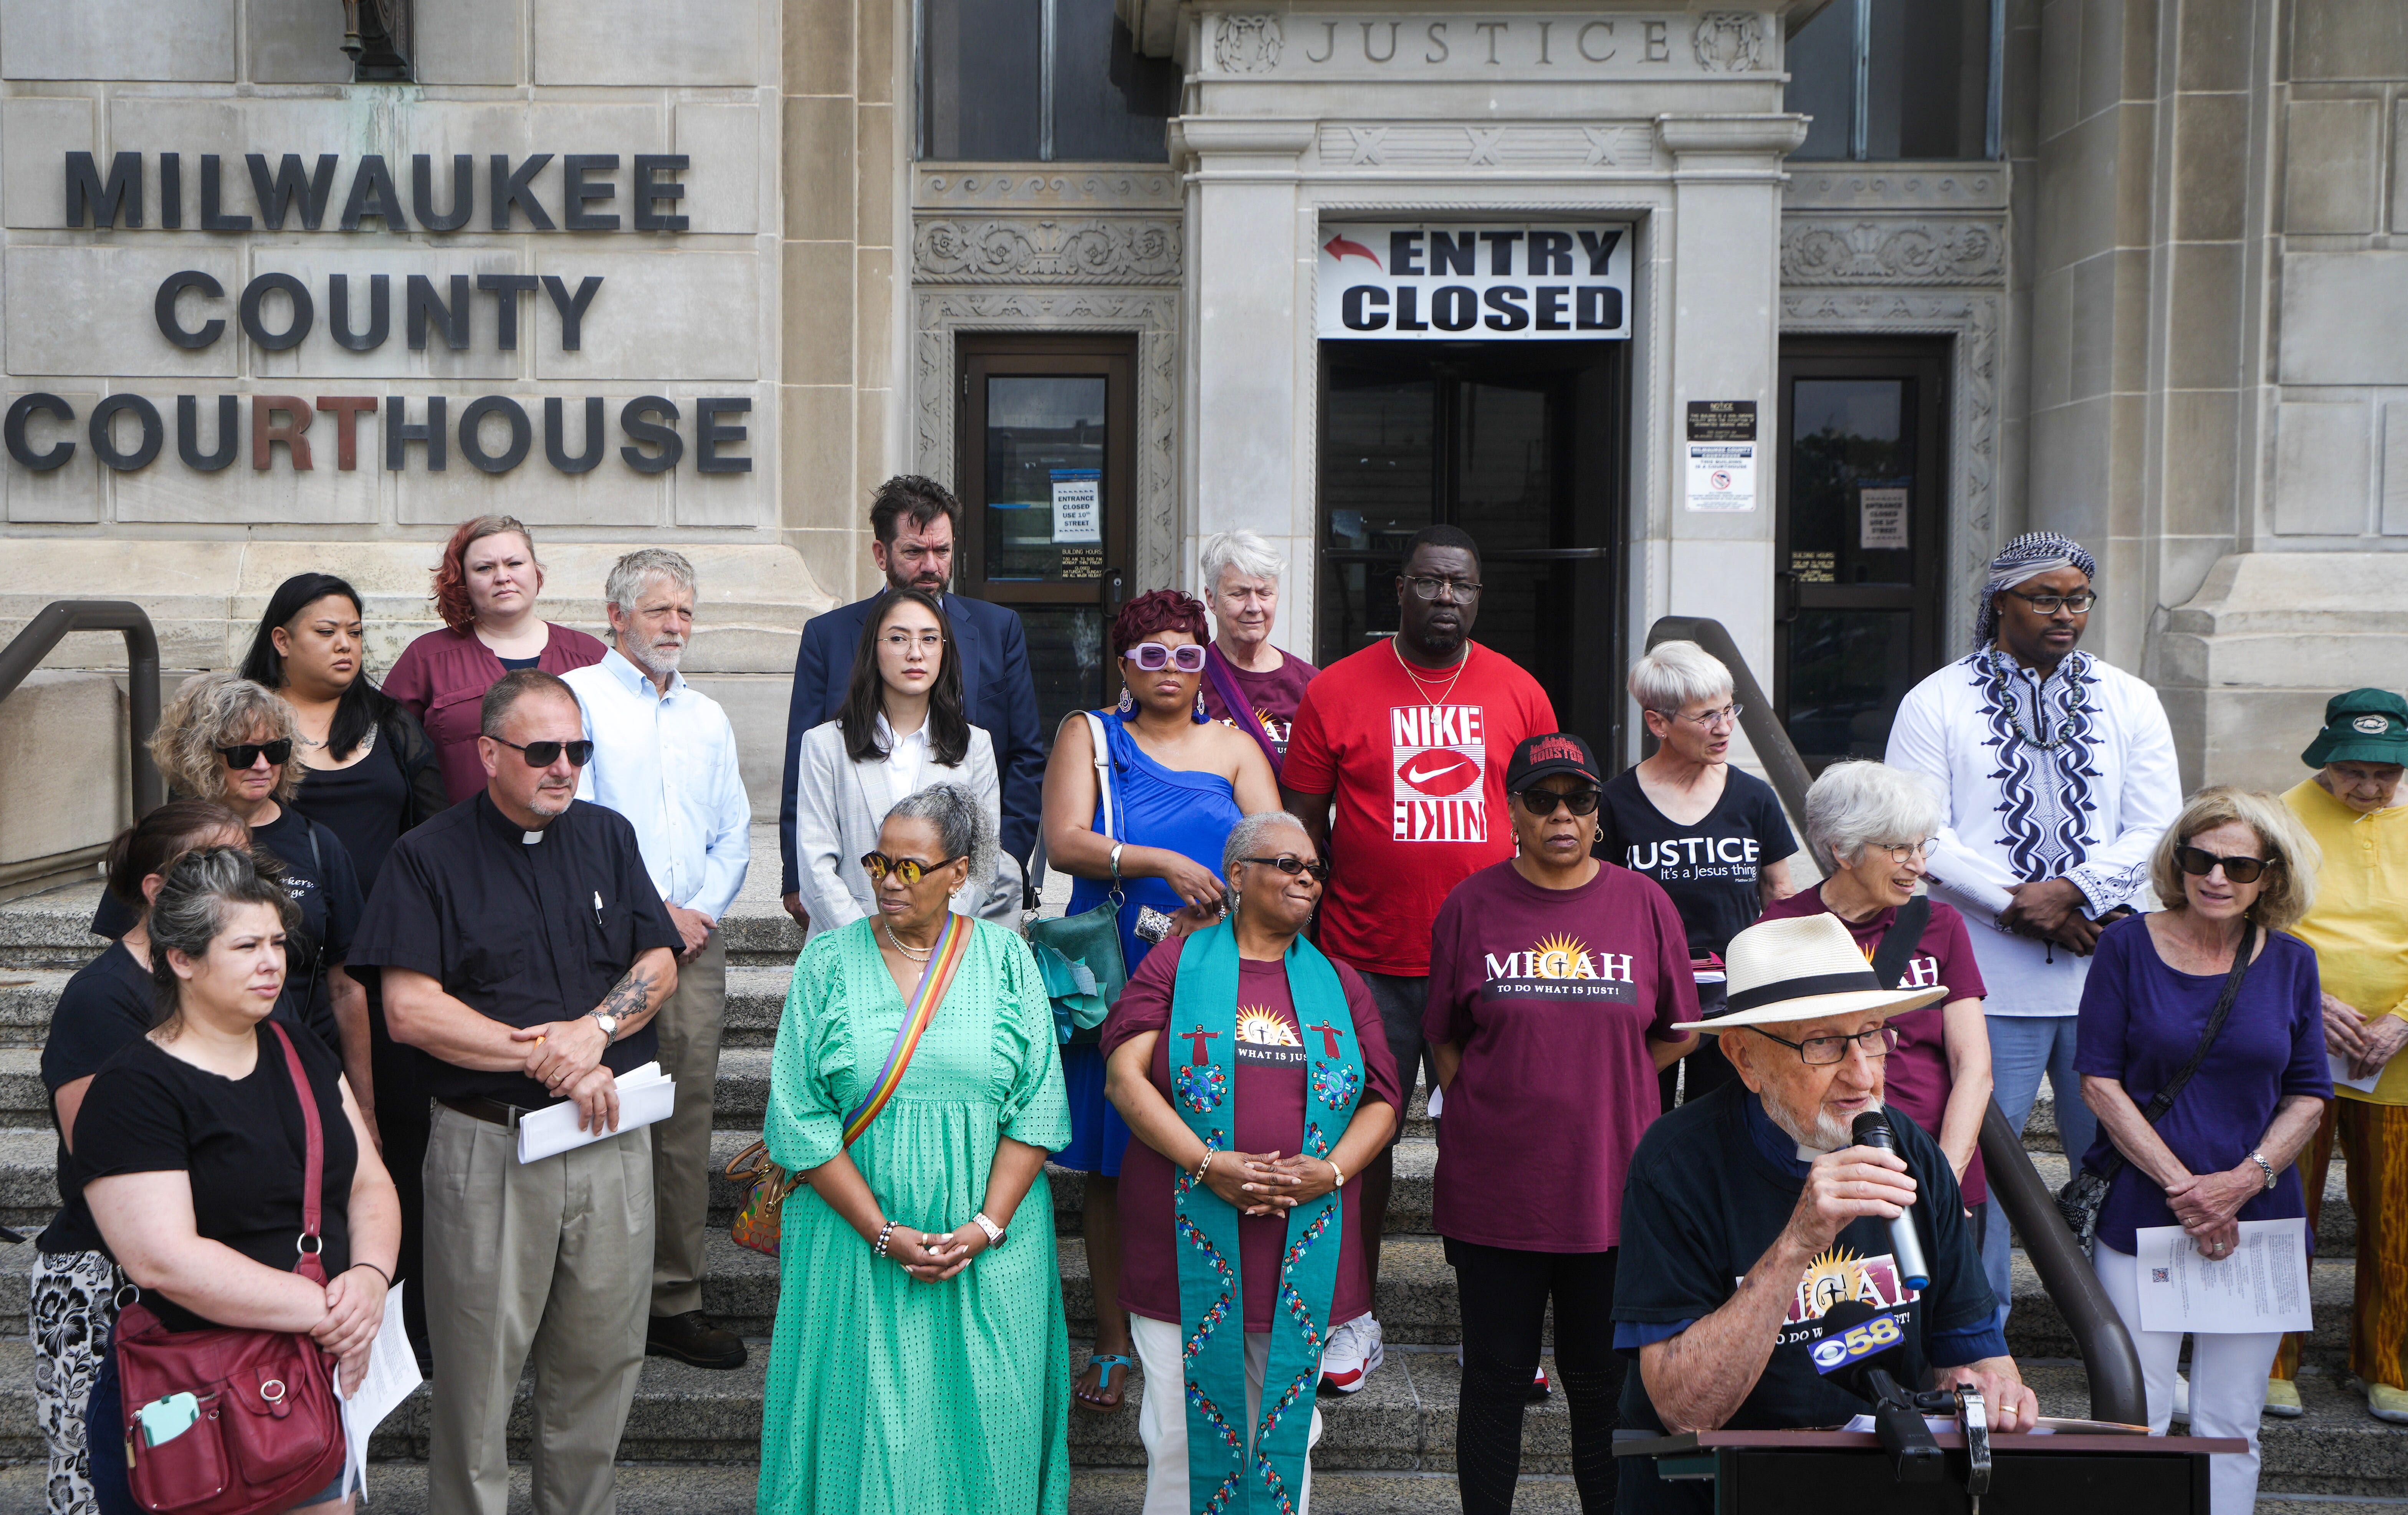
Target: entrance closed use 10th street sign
{"points": [[1520, 283]]}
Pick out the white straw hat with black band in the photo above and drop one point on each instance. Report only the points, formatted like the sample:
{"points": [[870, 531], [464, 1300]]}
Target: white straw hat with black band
{"points": [[1803, 968]]}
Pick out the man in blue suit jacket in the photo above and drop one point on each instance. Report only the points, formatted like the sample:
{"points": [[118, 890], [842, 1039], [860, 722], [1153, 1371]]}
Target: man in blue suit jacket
{"points": [[913, 520]]}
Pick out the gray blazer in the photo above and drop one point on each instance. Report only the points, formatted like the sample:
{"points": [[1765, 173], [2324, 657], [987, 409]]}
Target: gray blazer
{"points": [[839, 805]]}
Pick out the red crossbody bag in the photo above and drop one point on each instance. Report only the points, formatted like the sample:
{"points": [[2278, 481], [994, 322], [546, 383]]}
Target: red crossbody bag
{"points": [[270, 1431]]}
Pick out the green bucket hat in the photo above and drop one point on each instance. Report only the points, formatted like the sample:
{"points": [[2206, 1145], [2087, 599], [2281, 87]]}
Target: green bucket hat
{"points": [[2365, 725]]}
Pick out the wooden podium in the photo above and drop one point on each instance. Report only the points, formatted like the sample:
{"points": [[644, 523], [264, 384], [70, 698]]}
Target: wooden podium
{"points": [[1847, 1473]]}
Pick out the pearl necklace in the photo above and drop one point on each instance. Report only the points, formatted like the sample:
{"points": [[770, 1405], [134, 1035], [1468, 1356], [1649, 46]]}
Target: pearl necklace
{"points": [[1421, 685], [915, 954]]}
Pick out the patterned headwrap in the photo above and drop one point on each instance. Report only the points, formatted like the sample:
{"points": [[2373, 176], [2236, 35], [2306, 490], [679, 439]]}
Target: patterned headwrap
{"points": [[2026, 557]]}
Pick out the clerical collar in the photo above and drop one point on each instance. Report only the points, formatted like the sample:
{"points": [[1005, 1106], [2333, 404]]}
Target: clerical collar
{"points": [[1781, 1149]]}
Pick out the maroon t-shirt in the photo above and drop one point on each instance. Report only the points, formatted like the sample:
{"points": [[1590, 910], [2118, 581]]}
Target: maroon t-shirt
{"points": [[1273, 695], [442, 678], [1916, 1079], [1271, 1058], [1553, 995]]}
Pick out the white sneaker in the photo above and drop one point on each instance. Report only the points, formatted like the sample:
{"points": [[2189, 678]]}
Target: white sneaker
{"points": [[2181, 1399], [1354, 1348]]}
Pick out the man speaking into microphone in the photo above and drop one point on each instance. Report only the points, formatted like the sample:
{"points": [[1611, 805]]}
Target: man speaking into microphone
{"points": [[1752, 1211]]}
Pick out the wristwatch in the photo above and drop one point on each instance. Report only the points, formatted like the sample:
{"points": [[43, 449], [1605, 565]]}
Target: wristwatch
{"points": [[2260, 1158], [994, 1234], [609, 1024]]}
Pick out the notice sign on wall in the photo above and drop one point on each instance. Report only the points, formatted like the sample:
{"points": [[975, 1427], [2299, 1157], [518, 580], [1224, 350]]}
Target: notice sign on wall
{"points": [[1722, 455], [1078, 505], [1521, 282], [1882, 519]]}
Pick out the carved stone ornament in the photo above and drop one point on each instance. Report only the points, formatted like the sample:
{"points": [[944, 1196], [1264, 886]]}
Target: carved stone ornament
{"points": [[1891, 252], [1246, 44], [1729, 41], [1091, 250]]}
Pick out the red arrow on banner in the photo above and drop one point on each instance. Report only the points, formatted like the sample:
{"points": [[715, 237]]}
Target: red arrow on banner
{"points": [[1340, 249]]}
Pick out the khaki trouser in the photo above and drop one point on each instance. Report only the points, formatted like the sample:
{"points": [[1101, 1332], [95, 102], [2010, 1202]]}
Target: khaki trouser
{"points": [[545, 1259], [690, 1022]]}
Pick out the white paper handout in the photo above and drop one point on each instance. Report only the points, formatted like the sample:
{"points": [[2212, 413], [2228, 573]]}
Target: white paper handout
{"points": [[2342, 1080], [646, 1094], [392, 1374], [2263, 1287]]}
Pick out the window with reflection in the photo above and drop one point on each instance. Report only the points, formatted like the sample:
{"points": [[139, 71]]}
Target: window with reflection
{"points": [[1038, 80], [1888, 80]]}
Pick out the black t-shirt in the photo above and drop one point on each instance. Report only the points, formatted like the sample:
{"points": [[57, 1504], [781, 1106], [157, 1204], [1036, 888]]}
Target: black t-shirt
{"points": [[1703, 1202], [1710, 868], [105, 1009], [523, 932], [240, 1141], [364, 804]]}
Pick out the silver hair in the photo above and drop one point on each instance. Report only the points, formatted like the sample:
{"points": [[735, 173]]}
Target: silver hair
{"points": [[1248, 552], [195, 894], [1246, 837], [214, 710], [1674, 674], [631, 573], [1854, 804], [962, 827]]}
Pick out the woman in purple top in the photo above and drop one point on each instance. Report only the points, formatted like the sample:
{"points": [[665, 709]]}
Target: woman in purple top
{"points": [[2234, 869], [485, 589], [1555, 982]]}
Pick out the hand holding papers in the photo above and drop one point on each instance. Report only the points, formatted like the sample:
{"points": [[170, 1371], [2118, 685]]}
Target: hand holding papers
{"points": [[392, 1374], [646, 1094], [2342, 1080], [2263, 1287]]}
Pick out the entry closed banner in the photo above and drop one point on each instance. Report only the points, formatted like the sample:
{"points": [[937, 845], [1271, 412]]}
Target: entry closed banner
{"points": [[1457, 282]]}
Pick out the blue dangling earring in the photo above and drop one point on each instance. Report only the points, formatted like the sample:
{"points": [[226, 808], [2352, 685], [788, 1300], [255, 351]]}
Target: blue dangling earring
{"points": [[1201, 719], [1127, 704]]}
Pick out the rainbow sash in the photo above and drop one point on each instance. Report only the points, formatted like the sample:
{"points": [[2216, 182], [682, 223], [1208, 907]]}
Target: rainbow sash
{"points": [[953, 945]]}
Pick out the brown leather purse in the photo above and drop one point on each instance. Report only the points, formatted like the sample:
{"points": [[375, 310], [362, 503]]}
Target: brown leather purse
{"points": [[269, 1432]]}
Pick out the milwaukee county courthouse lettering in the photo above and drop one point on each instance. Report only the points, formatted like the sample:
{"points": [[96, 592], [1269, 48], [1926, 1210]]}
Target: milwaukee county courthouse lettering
{"points": [[1787, 316]]}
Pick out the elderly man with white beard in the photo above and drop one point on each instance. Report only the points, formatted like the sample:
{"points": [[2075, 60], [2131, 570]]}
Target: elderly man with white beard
{"points": [[665, 757], [1752, 1211]]}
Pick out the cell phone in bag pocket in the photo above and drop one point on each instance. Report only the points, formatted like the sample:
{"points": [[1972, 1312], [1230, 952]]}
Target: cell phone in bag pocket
{"points": [[165, 1419]]}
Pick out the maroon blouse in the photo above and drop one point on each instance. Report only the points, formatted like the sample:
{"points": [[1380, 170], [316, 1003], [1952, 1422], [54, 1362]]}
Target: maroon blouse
{"points": [[442, 678]]}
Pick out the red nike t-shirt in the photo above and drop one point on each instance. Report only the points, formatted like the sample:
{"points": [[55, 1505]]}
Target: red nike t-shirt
{"points": [[1417, 770]]}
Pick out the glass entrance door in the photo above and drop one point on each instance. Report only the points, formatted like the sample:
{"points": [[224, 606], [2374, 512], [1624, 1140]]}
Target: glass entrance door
{"points": [[1517, 445], [1862, 491], [1045, 480]]}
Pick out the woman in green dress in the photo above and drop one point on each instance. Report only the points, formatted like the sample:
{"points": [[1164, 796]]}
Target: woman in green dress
{"points": [[919, 1361]]}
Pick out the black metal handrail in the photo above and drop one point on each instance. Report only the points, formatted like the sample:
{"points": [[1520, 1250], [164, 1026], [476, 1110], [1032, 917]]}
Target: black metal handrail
{"points": [[2109, 1361], [51, 625]]}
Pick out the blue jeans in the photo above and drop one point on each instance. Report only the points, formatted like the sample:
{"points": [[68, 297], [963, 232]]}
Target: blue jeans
{"points": [[2022, 1049]]}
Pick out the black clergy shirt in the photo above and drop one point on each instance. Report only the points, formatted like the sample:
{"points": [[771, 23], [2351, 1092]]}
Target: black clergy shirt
{"points": [[524, 932]]}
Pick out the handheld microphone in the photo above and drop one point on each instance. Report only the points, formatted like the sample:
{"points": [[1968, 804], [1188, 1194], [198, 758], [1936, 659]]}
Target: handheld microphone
{"points": [[1862, 1349], [1871, 1129]]}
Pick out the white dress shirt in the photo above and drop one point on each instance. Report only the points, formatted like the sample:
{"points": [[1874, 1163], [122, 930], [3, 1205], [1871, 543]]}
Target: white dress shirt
{"points": [[667, 762], [907, 757], [2089, 807]]}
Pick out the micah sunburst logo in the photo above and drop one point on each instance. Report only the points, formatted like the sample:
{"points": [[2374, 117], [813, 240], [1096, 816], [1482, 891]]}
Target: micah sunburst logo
{"points": [[1559, 958], [1258, 1024]]}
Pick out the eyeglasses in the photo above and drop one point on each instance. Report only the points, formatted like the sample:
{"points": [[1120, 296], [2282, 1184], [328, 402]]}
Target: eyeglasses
{"points": [[907, 871], [2199, 862], [1728, 715], [1900, 852], [1294, 866], [245, 754], [903, 641], [1823, 1051], [1430, 588], [2047, 605], [1152, 657], [544, 754], [1542, 802]]}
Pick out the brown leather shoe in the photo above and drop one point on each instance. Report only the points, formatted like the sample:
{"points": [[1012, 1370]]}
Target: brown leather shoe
{"points": [[692, 1339]]}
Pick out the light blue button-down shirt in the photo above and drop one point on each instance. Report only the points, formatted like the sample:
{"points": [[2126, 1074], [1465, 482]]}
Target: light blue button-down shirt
{"points": [[667, 762]]}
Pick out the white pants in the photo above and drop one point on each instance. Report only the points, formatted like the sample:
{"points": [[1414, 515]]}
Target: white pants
{"points": [[2227, 1384], [1162, 1418]]}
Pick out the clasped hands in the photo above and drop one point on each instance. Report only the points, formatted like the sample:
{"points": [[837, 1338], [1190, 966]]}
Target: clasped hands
{"points": [[354, 1309], [2051, 910], [2207, 1203], [2369, 1042], [932, 1256], [566, 1057], [1269, 1183]]}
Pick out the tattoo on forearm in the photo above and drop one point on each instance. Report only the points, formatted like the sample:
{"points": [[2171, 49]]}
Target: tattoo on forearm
{"points": [[629, 994]]}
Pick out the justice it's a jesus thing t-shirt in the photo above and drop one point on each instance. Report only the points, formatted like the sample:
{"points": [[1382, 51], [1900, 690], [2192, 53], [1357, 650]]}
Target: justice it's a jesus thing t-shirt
{"points": [[1416, 767]]}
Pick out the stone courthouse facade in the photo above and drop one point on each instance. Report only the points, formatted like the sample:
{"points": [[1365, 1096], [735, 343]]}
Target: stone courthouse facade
{"points": [[1785, 315]]}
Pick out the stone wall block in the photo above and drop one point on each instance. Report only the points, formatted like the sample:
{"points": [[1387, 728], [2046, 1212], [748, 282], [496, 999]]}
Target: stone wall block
{"points": [[747, 500], [2098, 323], [875, 178], [74, 490], [2204, 335], [2322, 470], [2051, 338], [2058, 80], [2395, 470], [2211, 148], [362, 259], [2200, 480], [694, 43], [167, 492], [2331, 160], [878, 47], [2213, 46], [819, 153], [817, 310], [62, 743], [2069, 468], [876, 284], [2328, 333], [275, 125], [2136, 168], [294, 42], [722, 185], [2349, 40], [2077, 196], [87, 309], [2103, 62], [36, 133], [470, 41], [818, 40], [694, 316], [610, 495], [187, 41], [2400, 165]]}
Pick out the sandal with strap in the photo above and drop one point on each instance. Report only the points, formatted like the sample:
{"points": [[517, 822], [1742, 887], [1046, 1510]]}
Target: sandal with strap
{"points": [[1103, 1366]]}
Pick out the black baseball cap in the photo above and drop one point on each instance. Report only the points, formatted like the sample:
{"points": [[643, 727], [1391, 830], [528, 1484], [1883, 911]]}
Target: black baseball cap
{"points": [[1543, 757]]}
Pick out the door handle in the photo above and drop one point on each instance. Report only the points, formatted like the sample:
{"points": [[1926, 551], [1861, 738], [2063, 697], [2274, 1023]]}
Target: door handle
{"points": [[1784, 596], [1115, 590]]}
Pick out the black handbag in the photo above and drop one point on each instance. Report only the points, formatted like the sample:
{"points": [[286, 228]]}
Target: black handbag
{"points": [[2084, 1194]]}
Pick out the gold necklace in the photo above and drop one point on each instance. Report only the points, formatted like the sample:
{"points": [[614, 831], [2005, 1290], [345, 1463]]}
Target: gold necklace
{"points": [[1421, 685], [915, 954]]}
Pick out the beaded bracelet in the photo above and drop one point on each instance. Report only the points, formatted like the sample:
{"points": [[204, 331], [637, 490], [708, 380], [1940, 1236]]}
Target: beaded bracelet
{"points": [[878, 1247]]}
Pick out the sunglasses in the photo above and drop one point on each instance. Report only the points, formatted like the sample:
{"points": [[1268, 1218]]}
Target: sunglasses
{"points": [[244, 754], [2199, 864], [543, 754], [1152, 657], [1294, 866], [1542, 802], [908, 870]]}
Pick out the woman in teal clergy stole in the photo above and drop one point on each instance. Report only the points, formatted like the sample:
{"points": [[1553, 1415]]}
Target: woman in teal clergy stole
{"points": [[1272, 1085], [919, 1361]]}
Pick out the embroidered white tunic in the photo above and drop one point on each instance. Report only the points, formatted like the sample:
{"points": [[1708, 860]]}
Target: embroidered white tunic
{"points": [[2088, 806]]}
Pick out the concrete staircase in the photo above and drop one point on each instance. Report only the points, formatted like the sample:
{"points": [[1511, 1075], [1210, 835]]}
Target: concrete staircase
{"points": [[692, 1439]]}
